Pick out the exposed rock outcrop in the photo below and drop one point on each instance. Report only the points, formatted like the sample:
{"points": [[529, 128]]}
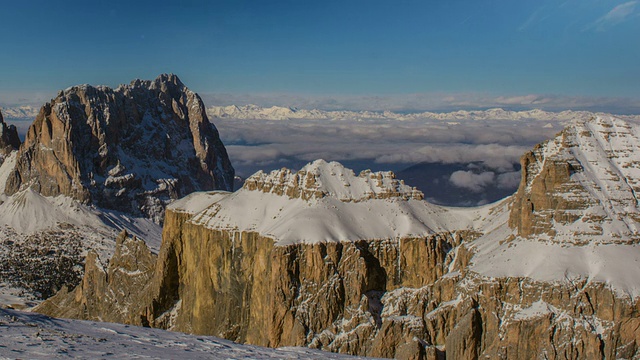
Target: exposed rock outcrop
{"points": [[113, 293], [9, 140], [132, 149]]}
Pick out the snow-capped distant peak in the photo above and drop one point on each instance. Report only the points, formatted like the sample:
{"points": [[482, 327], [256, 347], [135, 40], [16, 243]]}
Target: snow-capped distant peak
{"points": [[23, 112], [254, 112], [321, 179]]}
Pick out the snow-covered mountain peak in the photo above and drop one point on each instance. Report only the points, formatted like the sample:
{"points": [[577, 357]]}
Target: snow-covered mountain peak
{"points": [[322, 202], [582, 185], [22, 112], [255, 112], [321, 179]]}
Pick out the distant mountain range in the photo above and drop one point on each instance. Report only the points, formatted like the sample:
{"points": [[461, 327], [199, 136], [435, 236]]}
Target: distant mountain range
{"points": [[24, 112], [287, 113]]}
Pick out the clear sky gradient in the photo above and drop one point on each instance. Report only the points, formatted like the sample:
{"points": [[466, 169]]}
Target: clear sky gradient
{"points": [[576, 48]]}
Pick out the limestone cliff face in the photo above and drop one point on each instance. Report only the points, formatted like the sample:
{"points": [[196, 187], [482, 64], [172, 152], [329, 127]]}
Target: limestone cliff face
{"points": [[411, 298], [406, 298], [241, 286], [9, 140], [133, 148], [587, 174]]}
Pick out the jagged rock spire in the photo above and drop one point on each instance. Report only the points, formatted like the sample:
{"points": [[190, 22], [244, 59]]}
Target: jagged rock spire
{"points": [[9, 139]]}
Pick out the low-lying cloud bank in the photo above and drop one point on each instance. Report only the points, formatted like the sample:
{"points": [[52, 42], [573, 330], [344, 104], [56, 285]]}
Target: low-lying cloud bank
{"points": [[495, 145], [260, 144]]}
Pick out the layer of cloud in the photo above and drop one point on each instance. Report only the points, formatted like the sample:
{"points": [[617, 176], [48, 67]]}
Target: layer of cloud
{"points": [[387, 144], [472, 181], [508, 180]]}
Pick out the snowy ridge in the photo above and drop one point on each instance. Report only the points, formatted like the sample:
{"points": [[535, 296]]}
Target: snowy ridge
{"points": [[346, 210], [602, 191], [320, 178], [28, 212], [253, 112], [601, 244], [34, 336]]}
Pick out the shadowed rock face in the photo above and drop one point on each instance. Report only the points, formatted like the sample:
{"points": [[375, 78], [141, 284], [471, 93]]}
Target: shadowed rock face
{"points": [[9, 139], [132, 149]]}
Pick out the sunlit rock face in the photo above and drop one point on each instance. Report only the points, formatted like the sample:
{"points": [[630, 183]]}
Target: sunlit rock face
{"points": [[133, 148]]}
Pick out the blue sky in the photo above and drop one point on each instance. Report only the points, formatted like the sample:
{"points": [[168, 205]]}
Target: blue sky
{"points": [[585, 51]]}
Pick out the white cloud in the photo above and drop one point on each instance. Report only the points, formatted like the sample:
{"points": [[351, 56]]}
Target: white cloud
{"points": [[617, 15], [471, 181]]}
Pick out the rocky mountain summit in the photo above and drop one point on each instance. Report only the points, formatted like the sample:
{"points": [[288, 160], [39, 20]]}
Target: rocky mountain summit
{"points": [[97, 161], [133, 148], [582, 186], [321, 179], [315, 258]]}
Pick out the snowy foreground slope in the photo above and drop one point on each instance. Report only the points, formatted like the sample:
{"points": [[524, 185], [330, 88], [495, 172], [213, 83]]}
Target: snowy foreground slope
{"points": [[44, 239], [34, 336]]}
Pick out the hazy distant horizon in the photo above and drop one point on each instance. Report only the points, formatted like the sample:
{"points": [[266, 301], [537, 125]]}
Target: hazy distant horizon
{"points": [[404, 104]]}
